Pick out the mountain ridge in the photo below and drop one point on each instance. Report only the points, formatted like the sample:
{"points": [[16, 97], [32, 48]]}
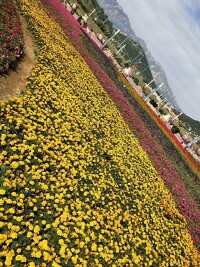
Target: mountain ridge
{"points": [[121, 21]]}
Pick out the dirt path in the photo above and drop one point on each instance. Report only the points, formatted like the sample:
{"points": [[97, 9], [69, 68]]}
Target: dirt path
{"points": [[14, 83]]}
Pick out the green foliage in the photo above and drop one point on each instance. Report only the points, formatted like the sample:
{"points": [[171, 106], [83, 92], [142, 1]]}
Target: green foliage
{"points": [[119, 60], [136, 80], [190, 123], [162, 111], [182, 131], [132, 50], [102, 19], [153, 103], [175, 130]]}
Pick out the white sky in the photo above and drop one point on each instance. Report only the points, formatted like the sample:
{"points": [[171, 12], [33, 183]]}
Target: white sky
{"points": [[171, 30]]}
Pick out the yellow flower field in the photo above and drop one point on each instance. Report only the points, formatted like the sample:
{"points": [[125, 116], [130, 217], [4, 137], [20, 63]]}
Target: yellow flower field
{"points": [[76, 187]]}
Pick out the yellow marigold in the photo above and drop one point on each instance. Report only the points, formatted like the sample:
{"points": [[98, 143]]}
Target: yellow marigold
{"points": [[43, 245], [87, 239], [9, 257], [29, 234], [55, 264], [36, 229], [4, 153], [94, 247], [36, 254], [8, 262], [93, 223], [11, 210], [19, 250], [47, 256], [74, 259], [20, 258], [13, 235], [81, 244], [31, 264], [2, 191], [19, 219], [48, 226], [14, 165], [59, 232]]}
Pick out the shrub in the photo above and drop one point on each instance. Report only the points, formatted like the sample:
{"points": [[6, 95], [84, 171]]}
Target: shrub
{"points": [[162, 111], [136, 80], [175, 130], [119, 60], [153, 103]]}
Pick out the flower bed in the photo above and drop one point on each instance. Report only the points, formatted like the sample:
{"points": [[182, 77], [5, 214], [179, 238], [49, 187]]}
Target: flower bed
{"points": [[76, 188], [11, 37], [158, 147]]}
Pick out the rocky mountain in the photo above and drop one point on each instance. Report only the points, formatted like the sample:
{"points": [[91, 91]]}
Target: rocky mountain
{"points": [[119, 18], [121, 21]]}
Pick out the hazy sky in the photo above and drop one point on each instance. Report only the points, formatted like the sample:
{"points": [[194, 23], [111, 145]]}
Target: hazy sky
{"points": [[171, 30]]}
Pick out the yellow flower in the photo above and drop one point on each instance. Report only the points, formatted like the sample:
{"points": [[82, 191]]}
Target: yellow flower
{"points": [[48, 226], [87, 239], [29, 234], [93, 223], [43, 245], [19, 219], [100, 248], [2, 191], [9, 257], [4, 153], [31, 264], [20, 258], [19, 250], [81, 244], [94, 247], [11, 210], [55, 264], [74, 259], [69, 254], [36, 254], [14, 165], [36, 229], [59, 232], [13, 235]]}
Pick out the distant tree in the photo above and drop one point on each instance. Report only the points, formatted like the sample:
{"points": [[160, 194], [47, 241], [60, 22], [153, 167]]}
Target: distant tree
{"points": [[191, 123], [153, 103], [175, 130], [119, 60], [136, 80], [162, 111]]}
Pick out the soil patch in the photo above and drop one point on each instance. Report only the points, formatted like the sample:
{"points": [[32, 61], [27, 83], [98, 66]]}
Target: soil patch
{"points": [[14, 83]]}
